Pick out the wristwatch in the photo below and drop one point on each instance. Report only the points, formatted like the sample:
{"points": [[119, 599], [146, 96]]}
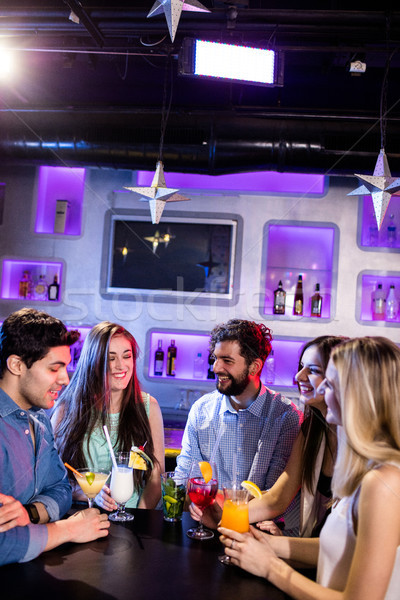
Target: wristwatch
{"points": [[33, 513]]}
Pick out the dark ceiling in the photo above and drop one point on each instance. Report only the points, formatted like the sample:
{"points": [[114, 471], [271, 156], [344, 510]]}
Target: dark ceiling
{"points": [[96, 92]]}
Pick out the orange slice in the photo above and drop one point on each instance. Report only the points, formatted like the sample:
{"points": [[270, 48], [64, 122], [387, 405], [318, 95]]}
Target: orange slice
{"points": [[206, 470], [252, 488]]}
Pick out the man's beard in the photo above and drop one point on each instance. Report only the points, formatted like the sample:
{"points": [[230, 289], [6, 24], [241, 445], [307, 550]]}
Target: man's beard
{"points": [[236, 386]]}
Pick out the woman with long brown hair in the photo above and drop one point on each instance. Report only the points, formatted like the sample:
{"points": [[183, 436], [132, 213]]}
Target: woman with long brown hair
{"points": [[104, 390]]}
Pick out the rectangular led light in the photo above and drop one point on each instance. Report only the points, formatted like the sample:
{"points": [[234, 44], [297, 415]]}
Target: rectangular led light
{"points": [[258, 66]]}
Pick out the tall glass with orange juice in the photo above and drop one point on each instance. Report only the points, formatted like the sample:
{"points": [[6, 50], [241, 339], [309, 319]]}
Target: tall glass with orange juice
{"points": [[235, 514]]}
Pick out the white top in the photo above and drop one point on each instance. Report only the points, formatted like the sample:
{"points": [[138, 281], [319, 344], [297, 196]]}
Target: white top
{"points": [[336, 548]]}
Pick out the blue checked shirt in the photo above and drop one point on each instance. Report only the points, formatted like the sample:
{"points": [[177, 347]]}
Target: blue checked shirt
{"points": [[29, 475], [259, 438]]}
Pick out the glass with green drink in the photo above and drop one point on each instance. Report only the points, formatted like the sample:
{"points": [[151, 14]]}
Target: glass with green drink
{"points": [[173, 492]]}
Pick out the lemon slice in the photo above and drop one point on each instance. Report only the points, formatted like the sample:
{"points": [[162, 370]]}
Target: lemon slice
{"points": [[206, 470], [252, 488], [90, 477]]}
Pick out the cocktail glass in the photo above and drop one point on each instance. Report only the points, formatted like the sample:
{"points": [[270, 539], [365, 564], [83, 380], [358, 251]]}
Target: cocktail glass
{"points": [[91, 482], [235, 514], [173, 492], [121, 486], [201, 494]]}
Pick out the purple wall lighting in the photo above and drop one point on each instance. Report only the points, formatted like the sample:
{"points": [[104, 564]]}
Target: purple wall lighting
{"points": [[293, 250], [369, 283], [188, 347], [13, 270], [286, 360], [389, 234], [59, 183], [265, 181]]}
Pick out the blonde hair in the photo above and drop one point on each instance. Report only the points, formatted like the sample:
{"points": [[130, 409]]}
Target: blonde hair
{"points": [[369, 394]]}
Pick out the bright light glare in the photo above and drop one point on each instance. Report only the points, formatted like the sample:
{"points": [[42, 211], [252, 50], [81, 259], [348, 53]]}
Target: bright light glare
{"points": [[6, 63], [234, 62]]}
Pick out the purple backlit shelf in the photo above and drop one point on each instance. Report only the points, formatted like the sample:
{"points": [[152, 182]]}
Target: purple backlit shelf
{"points": [[367, 282], [189, 344], [77, 347], [66, 185], [12, 273], [291, 248], [387, 239]]}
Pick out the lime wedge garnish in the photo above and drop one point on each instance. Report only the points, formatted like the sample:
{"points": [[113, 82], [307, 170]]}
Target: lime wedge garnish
{"points": [[90, 477]]}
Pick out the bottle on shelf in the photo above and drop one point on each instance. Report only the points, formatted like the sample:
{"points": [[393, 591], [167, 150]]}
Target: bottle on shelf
{"points": [[316, 302], [373, 232], [391, 232], [298, 297], [171, 358], [25, 285], [392, 304], [159, 360], [378, 297], [53, 290], [279, 300], [210, 370], [40, 288], [198, 367], [270, 368]]}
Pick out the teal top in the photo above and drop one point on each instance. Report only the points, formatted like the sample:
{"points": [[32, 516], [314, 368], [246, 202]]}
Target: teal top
{"points": [[99, 452]]}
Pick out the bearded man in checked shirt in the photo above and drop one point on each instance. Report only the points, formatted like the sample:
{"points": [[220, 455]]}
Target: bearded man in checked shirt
{"points": [[254, 427]]}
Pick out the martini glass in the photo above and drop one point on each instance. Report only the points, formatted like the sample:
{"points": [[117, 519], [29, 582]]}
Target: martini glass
{"points": [[91, 482], [201, 494]]}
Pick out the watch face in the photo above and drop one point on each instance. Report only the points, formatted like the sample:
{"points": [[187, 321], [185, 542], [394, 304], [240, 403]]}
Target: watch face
{"points": [[33, 513]]}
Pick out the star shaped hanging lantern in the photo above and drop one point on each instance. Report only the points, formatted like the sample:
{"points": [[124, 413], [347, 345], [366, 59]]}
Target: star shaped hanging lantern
{"points": [[158, 194], [381, 185], [173, 10]]}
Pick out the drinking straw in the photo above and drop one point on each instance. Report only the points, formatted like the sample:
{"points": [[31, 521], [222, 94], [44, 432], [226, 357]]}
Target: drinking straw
{"points": [[73, 470], [217, 441], [114, 462], [234, 468]]}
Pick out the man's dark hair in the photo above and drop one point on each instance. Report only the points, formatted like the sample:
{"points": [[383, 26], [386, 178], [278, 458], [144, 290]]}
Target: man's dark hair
{"points": [[29, 334], [254, 339]]}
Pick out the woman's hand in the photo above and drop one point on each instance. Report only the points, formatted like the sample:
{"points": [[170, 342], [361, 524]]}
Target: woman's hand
{"points": [[269, 527], [104, 500], [211, 515], [250, 551]]}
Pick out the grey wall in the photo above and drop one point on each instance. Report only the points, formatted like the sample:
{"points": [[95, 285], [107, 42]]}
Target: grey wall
{"points": [[83, 304]]}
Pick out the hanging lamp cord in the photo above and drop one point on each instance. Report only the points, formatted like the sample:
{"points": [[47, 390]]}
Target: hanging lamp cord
{"points": [[168, 82]]}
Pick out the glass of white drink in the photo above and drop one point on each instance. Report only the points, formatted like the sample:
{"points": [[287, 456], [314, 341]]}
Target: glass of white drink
{"points": [[91, 482], [121, 486]]}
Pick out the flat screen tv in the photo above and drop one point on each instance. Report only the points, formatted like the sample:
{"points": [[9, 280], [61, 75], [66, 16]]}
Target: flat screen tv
{"points": [[191, 256]]}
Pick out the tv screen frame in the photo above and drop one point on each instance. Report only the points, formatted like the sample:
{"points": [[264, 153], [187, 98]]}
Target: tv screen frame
{"points": [[194, 246]]}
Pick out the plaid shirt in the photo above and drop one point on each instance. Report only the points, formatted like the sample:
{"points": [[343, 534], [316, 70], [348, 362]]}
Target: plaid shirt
{"points": [[260, 437]]}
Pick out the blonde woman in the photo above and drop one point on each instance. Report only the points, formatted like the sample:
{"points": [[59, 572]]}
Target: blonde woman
{"points": [[358, 552]]}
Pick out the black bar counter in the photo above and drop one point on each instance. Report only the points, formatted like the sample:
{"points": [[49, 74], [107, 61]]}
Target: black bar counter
{"points": [[146, 559]]}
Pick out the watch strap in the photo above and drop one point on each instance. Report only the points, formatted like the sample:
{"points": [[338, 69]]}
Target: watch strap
{"points": [[33, 513]]}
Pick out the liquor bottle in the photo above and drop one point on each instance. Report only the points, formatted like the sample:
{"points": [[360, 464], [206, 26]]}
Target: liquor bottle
{"points": [[25, 285], [298, 297], [53, 290], [40, 289], [159, 360], [210, 370], [392, 304], [391, 232], [171, 358], [316, 302], [373, 233], [279, 300], [198, 367], [270, 368], [378, 304]]}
